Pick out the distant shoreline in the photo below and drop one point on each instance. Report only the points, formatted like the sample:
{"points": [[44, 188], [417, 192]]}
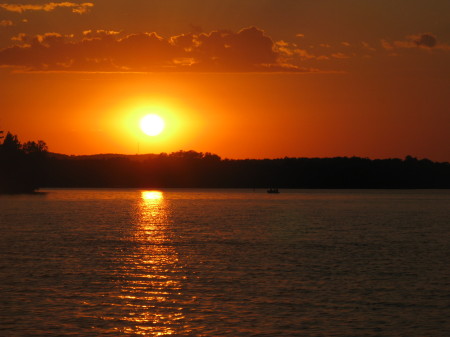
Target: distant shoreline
{"points": [[23, 172], [190, 169]]}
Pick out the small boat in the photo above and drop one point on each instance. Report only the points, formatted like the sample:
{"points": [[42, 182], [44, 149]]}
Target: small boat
{"points": [[273, 190]]}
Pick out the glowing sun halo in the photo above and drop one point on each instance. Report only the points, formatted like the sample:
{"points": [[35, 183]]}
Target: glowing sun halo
{"points": [[152, 125]]}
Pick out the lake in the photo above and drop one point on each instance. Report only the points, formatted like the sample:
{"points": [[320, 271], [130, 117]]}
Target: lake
{"points": [[126, 262]]}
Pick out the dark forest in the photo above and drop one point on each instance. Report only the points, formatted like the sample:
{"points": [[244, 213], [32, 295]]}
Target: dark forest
{"points": [[29, 166]]}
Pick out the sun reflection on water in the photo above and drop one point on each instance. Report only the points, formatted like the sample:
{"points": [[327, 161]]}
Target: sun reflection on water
{"points": [[153, 276], [152, 195]]}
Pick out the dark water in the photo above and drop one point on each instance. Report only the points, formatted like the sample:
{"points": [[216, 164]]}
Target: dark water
{"points": [[225, 263]]}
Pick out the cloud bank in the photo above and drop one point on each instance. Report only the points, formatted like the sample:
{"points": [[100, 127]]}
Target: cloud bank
{"points": [[249, 50]]}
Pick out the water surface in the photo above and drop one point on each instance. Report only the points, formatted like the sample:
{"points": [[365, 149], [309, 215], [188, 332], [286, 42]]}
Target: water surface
{"points": [[90, 262]]}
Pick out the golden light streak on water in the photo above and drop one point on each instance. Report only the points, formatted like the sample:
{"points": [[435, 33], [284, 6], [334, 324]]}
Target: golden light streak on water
{"points": [[153, 273]]}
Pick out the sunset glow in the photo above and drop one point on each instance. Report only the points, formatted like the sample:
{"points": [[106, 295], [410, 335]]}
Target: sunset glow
{"points": [[241, 84]]}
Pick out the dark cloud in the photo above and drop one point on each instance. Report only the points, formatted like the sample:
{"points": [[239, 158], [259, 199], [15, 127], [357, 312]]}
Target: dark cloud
{"points": [[425, 40], [248, 50]]}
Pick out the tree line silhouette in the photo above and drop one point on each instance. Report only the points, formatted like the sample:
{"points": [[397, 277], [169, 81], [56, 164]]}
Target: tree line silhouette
{"points": [[29, 166]]}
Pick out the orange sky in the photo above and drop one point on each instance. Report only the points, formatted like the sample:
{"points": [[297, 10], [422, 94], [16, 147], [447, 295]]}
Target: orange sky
{"points": [[261, 80]]}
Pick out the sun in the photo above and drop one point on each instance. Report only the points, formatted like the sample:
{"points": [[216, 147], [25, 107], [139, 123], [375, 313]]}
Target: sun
{"points": [[152, 125]]}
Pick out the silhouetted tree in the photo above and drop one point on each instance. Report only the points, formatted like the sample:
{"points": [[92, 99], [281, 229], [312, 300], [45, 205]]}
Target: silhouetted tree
{"points": [[21, 166], [11, 144], [38, 147]]}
